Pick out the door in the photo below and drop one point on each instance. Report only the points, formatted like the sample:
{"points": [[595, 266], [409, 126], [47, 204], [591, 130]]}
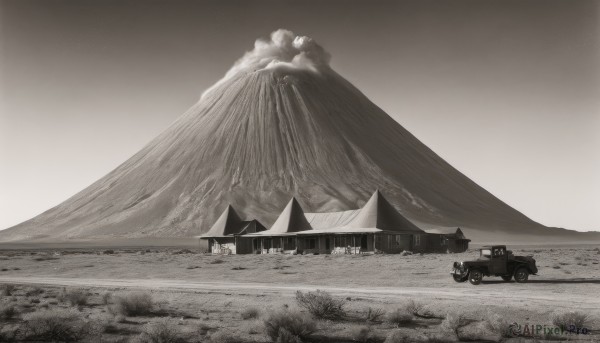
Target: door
{"points": [[498, 261], [363, 243], [327, 244]]}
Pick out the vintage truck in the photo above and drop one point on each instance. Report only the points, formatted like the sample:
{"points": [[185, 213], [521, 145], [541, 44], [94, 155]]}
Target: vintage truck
{"points": [[495, 261]]}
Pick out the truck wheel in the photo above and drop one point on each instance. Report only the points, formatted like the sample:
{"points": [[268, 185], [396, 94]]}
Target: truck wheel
{"points": [[459, 278], [521, 275], [475, 277], [506, 278]]}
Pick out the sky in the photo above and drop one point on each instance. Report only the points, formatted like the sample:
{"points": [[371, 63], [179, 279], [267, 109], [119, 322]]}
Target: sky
{"points": [[508, 92]]}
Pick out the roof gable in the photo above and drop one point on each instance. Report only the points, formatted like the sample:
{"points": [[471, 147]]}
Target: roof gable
{"points": [[292, 219], [379, 213], [228, 223]]}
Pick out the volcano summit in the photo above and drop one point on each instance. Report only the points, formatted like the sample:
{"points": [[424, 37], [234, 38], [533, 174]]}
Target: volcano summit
{"points": [[281, 123]]}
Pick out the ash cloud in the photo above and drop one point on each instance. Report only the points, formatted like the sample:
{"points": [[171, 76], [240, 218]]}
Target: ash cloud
{"points": [[283, 50]]}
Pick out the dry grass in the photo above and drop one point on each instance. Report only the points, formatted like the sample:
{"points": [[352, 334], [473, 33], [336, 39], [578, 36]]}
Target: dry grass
{"points": [[453, 322], [288, 322], [321, 304], [223, 336], [7, 311], [250, 313], [33, 291], [565, 319], [374, 314], [133, 304], [362, 334], [58, 325], [498, 324], [162, 331], [399, 317], [7, 289], [106, 298], [75, 297]]}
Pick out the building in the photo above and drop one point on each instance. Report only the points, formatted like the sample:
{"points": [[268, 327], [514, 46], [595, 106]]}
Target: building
{"points": [[224, 236], [377, 227]]}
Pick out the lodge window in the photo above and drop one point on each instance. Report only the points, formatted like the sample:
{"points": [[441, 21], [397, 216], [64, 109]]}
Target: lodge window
{"points": [[312, 243], [397, 239], [417, 240], [443, 240]]}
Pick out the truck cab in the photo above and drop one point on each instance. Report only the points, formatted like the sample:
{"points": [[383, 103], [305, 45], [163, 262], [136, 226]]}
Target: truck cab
{"points": [[495, 260]]}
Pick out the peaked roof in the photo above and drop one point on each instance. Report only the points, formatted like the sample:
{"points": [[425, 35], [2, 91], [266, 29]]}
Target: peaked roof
{"points": [[228, 223], [292, 219], [379, 213]]}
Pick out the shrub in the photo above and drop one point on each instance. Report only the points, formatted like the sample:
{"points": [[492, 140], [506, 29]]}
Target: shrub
{"points": [[413, 307], [7, 311], [32, 291], [399, 317], [76, 297], [164, 331], [250, 313], [321, 304], [61, 325], [223, 337], [8, 289], [362, 334], [564, 319], [133, 304], [374, 315], [452, 322], [10, 333], [398, 337], [294, 322], [287, 337], [496, 323], [106, 297]]}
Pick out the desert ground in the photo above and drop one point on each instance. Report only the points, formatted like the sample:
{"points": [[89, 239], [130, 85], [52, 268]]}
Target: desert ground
{"points": [[187, 296]]}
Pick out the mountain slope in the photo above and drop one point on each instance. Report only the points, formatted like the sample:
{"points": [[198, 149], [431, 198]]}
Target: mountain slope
{"points": [[281, 123]]}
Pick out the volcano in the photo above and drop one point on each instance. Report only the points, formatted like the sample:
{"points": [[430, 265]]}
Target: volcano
{"points": [[281, 123]]}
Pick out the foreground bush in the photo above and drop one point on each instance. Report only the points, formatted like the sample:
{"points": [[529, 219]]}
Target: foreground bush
{"points": [[59, 325], [362, 334], [7, 289], [75, 297], [7, 311], [452, 322], [497, 324], [414, 307], [133, 304], [287, 337], [33, 291], [564, 319], [374, 314], [223, 337], [250, 313], [321, 304], [286, 323], [399, 317], [401, 337], [164, 331]]}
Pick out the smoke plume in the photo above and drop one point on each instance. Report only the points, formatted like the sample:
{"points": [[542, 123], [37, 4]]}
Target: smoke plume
{"points": [[284, 50]]}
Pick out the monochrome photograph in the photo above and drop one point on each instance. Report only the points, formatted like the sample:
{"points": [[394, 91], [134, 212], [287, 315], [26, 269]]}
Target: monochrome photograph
{"points": [[299, 171]]}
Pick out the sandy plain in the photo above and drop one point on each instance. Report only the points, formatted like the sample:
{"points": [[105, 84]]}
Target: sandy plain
{"points": [[199, 290]]}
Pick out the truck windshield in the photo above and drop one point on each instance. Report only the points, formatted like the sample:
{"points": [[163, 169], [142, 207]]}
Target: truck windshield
{"points": [[486, 252]]}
